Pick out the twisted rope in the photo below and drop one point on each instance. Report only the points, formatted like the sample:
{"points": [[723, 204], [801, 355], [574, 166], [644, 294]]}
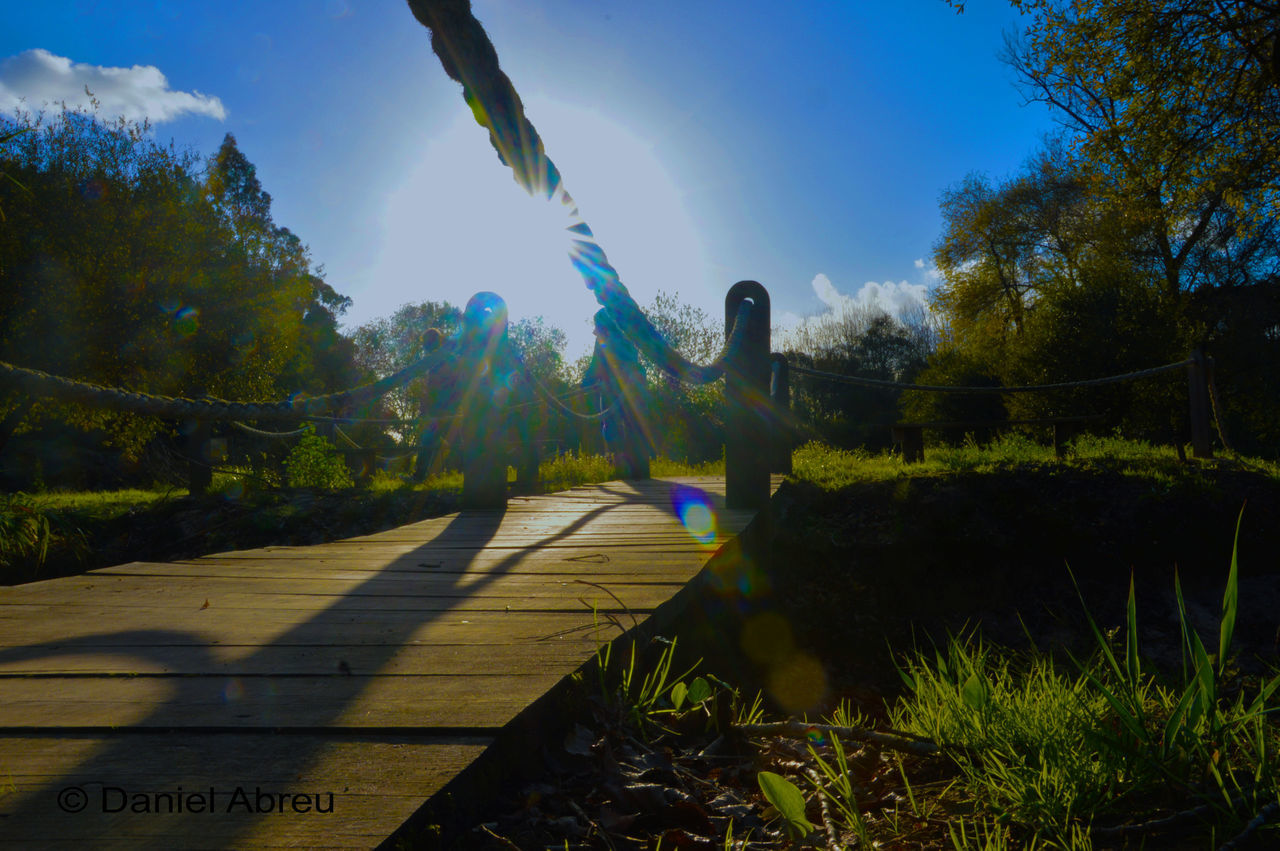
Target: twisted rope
{"points": [[936, 388], [248, 429], [469, 58], [541, 389], [342, 434], [35, 383]]}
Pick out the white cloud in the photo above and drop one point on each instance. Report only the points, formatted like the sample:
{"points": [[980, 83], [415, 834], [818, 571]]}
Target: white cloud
{"points": [[895, 298], [35, 78], [931, 273], [890, 297]]}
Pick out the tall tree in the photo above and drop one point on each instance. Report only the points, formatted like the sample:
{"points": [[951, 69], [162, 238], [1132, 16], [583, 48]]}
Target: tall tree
{"points": [[123, 262], [1175, 105]]}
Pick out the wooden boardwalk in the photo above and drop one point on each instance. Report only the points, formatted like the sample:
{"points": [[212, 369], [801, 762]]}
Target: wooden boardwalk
{"points": [[317, 696]]}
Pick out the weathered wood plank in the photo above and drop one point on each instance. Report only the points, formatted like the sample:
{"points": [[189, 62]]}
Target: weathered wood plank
{"points": [[454, 623], [275, 702], [236, 660], [375, 781]]}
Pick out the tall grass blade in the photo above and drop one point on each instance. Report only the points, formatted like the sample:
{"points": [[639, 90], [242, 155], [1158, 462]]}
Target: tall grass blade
{"points": [[1132, 665], [1230, 598]]}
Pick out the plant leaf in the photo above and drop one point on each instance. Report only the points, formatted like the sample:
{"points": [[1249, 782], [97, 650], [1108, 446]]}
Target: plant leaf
{"points": [[1132, 665], [678, 692], [699, 691], [787, 799], [1230, 599], [974, 691]]}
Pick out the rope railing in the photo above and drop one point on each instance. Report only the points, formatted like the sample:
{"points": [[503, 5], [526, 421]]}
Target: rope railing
{"points": [[278, 435], [35, 382], [942, 388], [547, 396]]}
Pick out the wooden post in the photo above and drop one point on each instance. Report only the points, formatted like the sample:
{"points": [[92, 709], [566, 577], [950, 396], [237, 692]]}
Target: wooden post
{"points": [[483, 413], [746, 390], [1062, 434], [199, 471], [1198, 395], [527, 467], [911, 439], [780, 395]]}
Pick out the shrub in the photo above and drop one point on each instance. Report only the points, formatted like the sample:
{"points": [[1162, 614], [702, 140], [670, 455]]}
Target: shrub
{"points": [[315, 463]]}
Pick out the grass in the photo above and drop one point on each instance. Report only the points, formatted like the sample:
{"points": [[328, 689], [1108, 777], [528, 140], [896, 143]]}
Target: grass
{"points": [[832, 469], [59, 526], [1035, 750], [1064, 753]]}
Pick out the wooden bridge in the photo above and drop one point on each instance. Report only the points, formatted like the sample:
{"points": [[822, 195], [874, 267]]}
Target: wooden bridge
{"points": [[321, 696]]}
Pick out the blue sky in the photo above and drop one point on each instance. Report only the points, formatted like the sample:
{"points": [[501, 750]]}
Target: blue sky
{"points": [[803, 145]]}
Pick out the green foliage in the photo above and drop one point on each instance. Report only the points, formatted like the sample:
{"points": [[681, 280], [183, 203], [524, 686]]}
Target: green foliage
{"points": [[29, 529], [834, 783], [25, 531], [134, 265], [315, 463], [833, 469], [1145, 229], [651, 697], [684, 422], [569, 469], [788, 800], [1052, 753], [862, 342]]}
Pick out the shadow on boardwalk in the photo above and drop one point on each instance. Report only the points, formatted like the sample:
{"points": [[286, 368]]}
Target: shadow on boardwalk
{"points": [[246, 727]]}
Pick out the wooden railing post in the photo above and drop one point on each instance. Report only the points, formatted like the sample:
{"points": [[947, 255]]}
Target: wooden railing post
{"points": [[747, 452], [483, 408], [1198, 396], [780, 395], [196, 448]]}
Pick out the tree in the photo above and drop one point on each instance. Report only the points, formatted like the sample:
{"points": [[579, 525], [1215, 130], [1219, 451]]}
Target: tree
{"points": [[684, 421], [1175, 107], [387, 345], [124, 263], [861, 341]]}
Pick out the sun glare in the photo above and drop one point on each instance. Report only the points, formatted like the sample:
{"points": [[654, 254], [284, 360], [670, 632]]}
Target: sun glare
{"points": [[458, 223]]}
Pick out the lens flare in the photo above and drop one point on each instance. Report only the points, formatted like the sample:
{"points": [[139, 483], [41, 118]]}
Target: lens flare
{"points": [[186, 321], [694, 510], [233, 691], [798, 683]]}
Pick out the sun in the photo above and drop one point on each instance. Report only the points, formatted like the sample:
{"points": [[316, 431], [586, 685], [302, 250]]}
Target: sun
{"points": [[458, 223]]}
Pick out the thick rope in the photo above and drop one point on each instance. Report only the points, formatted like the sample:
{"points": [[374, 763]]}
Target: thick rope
{"points": [[342, 434], [541, 389], [37, 383], [279, 435], [936, 388], [469, 58]]}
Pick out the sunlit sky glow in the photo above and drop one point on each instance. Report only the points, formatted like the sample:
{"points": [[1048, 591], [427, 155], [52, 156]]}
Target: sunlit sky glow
{"points": [[802, 145]]}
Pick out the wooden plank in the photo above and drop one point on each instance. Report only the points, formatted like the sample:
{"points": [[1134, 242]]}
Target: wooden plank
{"points": [[279, 702], [431, 593], [450, 624], [375, 781], [236, 660], [38, 630]]}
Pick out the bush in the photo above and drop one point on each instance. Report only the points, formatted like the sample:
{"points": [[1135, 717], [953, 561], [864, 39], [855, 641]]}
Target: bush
{"points": [[315, 463]]}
